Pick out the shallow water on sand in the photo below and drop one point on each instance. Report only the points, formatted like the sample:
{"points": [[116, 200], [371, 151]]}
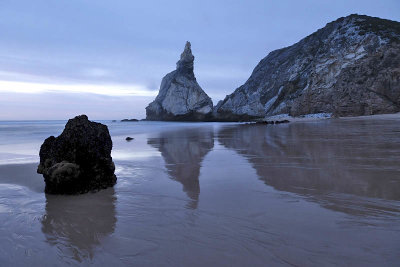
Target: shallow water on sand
{"points": [[303, 194]]}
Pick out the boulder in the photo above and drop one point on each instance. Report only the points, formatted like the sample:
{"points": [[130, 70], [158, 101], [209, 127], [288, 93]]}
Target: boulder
{"points": [[79, 160], [180, 97]]}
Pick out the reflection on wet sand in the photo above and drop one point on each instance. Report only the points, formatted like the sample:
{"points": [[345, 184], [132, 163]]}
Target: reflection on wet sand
{"points": [[269, 197], [183, 152], [324, 161], [76, 224]]}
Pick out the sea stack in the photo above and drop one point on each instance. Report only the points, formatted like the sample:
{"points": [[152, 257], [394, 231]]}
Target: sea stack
{"points": [[79, 160], [351, 67], [180, 97]]}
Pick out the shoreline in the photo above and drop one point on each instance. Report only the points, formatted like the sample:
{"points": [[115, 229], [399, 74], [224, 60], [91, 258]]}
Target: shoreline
{"points": [[376, 116], [324, 116], [307, 117]]}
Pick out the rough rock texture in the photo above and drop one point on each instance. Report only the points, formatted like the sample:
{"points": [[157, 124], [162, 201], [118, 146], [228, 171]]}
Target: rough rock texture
{"points": [[180, 96], [349, 67], [79, 160]]}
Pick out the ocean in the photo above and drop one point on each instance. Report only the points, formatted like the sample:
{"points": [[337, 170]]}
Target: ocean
{"points": [[317, 193]]}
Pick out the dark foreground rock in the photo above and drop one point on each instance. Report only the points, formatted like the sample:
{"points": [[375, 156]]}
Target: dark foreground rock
{"points": [[79, 160], [180, 97]]}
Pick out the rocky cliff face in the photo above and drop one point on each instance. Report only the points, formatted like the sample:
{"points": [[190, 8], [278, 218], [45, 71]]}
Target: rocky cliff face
{"points": [[180, 96], [349, 67]]}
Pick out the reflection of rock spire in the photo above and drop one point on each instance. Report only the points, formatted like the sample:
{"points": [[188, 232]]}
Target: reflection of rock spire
{"points": [[183, 152], [76, 224]]}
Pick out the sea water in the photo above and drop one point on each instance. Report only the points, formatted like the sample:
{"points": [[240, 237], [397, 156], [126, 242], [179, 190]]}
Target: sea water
{"points": [[319, 193]]}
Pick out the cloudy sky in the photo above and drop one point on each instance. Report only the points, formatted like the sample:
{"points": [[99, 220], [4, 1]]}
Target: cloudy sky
{"points": [[107, 58]]}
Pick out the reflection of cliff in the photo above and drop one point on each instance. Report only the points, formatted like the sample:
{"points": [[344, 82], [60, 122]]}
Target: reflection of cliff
{"points": [[76, 224], [183, 152], [322, 159]]}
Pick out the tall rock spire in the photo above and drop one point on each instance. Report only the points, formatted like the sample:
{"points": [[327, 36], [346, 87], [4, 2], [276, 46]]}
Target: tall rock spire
{"points": [[185, 64], [180, 97]]}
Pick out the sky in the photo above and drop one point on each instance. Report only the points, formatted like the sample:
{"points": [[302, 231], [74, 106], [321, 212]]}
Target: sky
{"points": [[106, 59]]}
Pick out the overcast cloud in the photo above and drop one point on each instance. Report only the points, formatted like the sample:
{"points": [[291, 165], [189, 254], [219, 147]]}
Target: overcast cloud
{"points": [[67, 57]]}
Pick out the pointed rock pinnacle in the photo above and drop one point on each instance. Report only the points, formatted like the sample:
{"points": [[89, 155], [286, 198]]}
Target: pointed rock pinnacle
{"points": [[185, 64]]}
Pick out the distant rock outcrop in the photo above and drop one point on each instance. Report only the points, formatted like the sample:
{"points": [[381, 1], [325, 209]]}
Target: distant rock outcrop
{"points": [[180, 97], [79, 160], [350, 67]]}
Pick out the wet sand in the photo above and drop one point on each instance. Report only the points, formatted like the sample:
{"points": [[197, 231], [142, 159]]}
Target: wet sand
{"points": [[317, 193], [322, 116]]}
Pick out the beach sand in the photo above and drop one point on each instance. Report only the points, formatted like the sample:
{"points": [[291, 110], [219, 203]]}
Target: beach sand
{"points": [[308, 194], [325, 116]]}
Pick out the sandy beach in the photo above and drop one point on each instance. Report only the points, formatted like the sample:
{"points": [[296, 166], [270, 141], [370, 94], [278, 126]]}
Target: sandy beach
{"points": [[326, 116]]}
